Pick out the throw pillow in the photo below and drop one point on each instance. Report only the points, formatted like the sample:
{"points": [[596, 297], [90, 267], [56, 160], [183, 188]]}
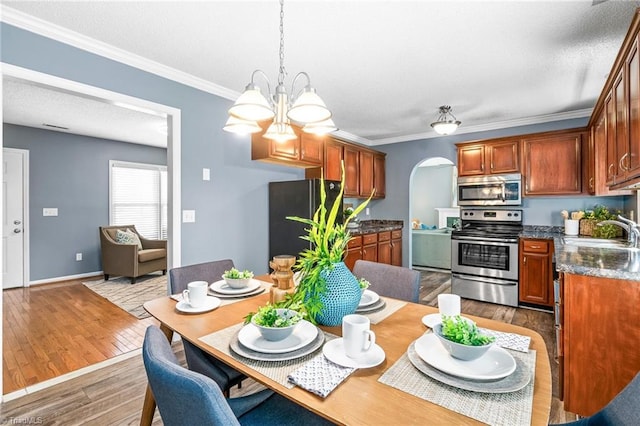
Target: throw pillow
{"points": [[135, 237], [128, 237]]}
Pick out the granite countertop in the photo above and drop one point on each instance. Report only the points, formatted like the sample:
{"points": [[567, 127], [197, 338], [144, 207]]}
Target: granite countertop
{"points": [[375, 225], [602, 262]]}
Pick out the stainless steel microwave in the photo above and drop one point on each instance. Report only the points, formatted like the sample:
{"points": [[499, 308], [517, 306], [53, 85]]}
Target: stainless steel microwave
{"points": [[495, 190]]}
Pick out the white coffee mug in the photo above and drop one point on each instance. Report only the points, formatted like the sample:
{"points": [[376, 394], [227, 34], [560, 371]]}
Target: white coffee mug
{"points": [[196, 293], [356, 335], [449, 304]]}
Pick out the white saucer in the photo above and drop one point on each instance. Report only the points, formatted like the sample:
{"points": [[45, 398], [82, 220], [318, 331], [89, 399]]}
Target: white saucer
{"points": [[368, 298], [432, 320], [223, 288], [302, 335], [496, 363], [334, 352], [209, 305]]}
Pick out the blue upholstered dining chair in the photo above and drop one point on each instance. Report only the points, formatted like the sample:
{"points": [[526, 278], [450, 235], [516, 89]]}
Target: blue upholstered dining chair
{"points": [[623, 410], [185, 397], [197, 360], [388, 280]]}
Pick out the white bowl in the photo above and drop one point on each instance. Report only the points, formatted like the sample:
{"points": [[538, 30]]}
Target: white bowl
{"points": [[237, 282], [458, 350], [274, 334]]}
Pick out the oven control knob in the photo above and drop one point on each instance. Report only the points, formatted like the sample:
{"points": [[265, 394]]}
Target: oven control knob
{"points": [[515, 214], [508, 214]]}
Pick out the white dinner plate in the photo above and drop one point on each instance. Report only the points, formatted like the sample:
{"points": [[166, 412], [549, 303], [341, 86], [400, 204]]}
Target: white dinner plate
{"points": [[302, 335], [334, 352], [258, 290], [432, 320], [368, 298], [223, 288], [496, 363], [209, 305]]}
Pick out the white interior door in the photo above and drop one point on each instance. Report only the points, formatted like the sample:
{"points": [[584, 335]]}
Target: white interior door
{"points": [[13, 273]]}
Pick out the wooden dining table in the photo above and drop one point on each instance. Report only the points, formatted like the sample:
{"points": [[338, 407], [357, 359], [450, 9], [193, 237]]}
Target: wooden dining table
{"points": [[361, 399]]}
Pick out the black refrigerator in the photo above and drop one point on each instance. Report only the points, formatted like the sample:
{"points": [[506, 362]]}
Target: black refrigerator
{"points": [[295, 198]]}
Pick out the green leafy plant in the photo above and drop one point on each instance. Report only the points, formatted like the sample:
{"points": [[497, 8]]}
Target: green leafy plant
{"points": [[267, 316], [600, 213], [464, 332], [328, 240], [364, 284], [236, 274]]}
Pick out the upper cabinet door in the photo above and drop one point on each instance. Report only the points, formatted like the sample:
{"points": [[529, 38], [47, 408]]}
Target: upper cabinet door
{"points": [[471, 160], [503, 157], [622, 136], [633, 84], [311, 149], [351, 171], [379, 175], [366, 173], [333, 159], [553, 165]]}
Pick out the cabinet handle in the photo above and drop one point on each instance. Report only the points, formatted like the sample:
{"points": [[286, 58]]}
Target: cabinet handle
{"points": [[535, 247], [492, 166], [609, 172], [482, 167], [621, 162], [591, 182], [524, 259]]}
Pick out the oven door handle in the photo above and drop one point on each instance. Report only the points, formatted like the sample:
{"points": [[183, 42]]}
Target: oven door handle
{"points": [[504, 197], [484, 240], [486, 280]]}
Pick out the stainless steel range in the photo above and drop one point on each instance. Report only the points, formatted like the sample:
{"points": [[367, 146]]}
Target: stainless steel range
{"points": [[484, 255]]}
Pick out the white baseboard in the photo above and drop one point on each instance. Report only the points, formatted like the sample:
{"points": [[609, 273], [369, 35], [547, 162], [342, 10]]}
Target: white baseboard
{"points": [[67, 278]]}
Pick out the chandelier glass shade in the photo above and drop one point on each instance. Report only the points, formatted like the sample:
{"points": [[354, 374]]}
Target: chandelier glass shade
{"points": [[305, 109], [446, 123]]}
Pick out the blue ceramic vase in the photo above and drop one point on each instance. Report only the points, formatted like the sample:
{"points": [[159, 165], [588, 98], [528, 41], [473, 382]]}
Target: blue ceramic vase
{"points": [[342, 296]]}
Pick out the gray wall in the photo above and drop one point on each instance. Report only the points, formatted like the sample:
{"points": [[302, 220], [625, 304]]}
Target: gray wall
{"points": [[403, 157], [431, 188], [71, 173], [231, 216]]}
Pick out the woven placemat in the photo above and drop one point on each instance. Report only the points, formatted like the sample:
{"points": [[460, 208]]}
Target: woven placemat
{"points": [[391, 306], [513, 408], [275, 370]]}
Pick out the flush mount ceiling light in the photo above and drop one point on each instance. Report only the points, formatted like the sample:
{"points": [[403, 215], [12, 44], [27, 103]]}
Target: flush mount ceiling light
{"points": [[446, 122], [306, 108]]}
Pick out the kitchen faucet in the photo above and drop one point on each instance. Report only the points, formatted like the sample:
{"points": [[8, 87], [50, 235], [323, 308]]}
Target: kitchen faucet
{"points": [[632, 229]]}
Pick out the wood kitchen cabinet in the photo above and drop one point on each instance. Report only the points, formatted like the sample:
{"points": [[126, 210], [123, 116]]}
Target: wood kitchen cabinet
{"points": [[599, 335], [379, 175], [396, 247], [307, 150], [384, 247], [364, 168], [553, 164], [495, 157], [536, 272]]}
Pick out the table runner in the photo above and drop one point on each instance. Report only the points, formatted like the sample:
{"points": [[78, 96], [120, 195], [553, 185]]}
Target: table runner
{"points": [[275, 370], [392, 305], [512, 408]]}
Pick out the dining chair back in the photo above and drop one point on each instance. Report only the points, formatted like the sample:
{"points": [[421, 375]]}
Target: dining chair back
{"points": [[226, 377], [389, 280], [185, 397], [623, 410]]}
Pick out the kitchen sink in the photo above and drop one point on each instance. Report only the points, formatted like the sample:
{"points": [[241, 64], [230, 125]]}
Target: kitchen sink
{"points": [[595, 242]]}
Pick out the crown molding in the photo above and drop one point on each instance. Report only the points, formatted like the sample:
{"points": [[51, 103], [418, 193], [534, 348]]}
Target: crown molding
{"points": [[497, 125], [72, 38]]}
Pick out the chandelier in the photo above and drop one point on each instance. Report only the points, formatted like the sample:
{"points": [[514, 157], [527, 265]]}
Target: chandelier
{"points": [[446, 122], [305, 108]]}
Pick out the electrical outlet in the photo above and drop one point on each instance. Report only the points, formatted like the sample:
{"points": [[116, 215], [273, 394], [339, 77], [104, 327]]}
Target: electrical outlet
{"points": [[50, 211], [367, 211], [206, 174], [188, 216], [78, 257]]}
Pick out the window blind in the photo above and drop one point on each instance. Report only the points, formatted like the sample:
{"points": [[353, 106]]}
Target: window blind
{"points": [[138, 196]]}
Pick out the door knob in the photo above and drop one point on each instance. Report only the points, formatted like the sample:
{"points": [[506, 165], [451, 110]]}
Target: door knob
{"points": [[17, 231], [16, 222]]}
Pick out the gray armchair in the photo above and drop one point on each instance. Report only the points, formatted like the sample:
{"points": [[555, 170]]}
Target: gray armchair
{"points": [[128, 260]]}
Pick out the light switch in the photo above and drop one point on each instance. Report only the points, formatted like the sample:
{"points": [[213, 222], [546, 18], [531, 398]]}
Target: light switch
{"points": [[50, 211], [188, 216], [206, 174]]}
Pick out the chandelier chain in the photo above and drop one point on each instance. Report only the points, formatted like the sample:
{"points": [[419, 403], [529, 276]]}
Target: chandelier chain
{"points": [[282, 71]]}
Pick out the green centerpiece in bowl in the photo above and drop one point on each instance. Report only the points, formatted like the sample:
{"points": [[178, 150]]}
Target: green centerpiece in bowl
{"points": [[237, 279], [461, 338], [275, 324]]}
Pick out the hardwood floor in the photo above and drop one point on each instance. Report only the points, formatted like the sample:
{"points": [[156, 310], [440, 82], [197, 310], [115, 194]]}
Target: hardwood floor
{"points": [[114, 394], [54, 329]]}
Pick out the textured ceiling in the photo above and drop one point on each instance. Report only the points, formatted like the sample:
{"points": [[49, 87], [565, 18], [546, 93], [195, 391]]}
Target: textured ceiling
{"points": [[382, 67]]}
